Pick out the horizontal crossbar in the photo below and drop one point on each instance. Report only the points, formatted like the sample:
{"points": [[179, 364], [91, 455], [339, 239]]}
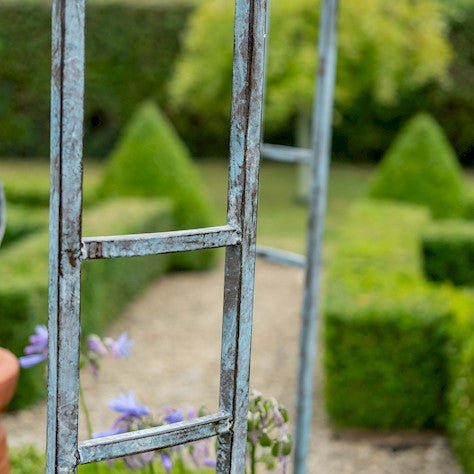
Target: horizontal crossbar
{"points": [[150, 439], [281, 256], [287, 154], [158, 243]]}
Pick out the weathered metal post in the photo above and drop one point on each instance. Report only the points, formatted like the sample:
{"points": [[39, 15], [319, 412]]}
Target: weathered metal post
{"points": [[67, 108], [322, 126], [68, 248]]}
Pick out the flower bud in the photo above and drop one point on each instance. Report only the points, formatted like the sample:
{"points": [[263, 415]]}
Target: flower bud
{"points": [[265, 440]]}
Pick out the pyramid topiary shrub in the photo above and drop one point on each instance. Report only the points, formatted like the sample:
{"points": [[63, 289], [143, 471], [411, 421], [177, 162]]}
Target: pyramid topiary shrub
{"points": [[421, 167], [151, 160]]}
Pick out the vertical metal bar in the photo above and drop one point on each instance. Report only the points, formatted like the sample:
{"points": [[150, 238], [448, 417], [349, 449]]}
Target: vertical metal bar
{"points": [[265, 71], [247, 87], [67, 98], [322, 118]]}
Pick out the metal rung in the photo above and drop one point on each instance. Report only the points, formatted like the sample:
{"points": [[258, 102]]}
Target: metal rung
{"points": [[287, 154], [158, 243], [281, 256], [141, 441]]}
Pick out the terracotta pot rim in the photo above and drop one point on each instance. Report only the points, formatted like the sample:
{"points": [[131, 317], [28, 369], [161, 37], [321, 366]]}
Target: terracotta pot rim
{"points": [[9, 372], [9, 365]]}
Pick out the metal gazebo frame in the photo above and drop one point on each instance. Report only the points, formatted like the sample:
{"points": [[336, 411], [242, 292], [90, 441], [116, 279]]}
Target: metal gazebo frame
{"points": [[68, 248]]}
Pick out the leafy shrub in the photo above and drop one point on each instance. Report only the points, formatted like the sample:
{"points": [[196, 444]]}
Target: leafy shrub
{"points": [[364, 129], [453, 104], [151, 160], [448, 252], [378, 50], [131, 47], [420, 167], [23, 295], [385, 329]]}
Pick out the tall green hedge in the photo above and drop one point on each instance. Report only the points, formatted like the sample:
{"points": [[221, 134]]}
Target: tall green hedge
{"points": [[385, 329], [131, 47], [107, 285], [421, 168], [122, 37]]}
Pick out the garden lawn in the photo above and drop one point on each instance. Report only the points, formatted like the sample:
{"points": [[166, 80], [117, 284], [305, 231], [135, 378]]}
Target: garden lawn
{"points": [[282, 221]]}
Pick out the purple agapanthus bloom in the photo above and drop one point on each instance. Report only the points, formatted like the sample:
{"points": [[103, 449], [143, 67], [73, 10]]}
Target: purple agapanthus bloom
{"points": [[121, 347], [201, 453], [96, 346], [130, 411], [115, 430], [138, 461], [37, 351], [174, 416], [166, 461], [126, 404]]}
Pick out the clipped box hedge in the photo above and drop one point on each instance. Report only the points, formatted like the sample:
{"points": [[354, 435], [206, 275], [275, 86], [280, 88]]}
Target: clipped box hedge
{"points": [[386, 331], [107, 285], [461, 407], [460, 394], [151, 160], [421, 168], [448, 252]]}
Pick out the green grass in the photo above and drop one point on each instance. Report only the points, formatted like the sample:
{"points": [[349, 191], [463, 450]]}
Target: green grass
{"points": [[281, 222], [28, 460]]}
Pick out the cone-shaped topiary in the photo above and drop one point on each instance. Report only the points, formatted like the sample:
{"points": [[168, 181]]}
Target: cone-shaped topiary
{"points": [[421, 167], [151, 160]]}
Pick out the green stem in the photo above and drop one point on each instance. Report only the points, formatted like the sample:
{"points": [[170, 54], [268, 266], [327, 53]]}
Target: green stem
{"points": [[253, 459], [180, 465], [87, 415], [151, 468]]}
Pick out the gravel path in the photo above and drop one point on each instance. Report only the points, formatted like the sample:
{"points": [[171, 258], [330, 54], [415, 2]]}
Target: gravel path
{"points": [[176, 327]]}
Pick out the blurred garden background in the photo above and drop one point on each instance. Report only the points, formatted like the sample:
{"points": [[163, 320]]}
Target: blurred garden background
{"points": [[395, 382]]}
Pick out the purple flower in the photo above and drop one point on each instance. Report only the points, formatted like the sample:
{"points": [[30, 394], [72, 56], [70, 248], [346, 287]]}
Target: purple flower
{"points": [[138, 461], [37, 351], [166, 461], [96, 346], [38, 340], [121, 347], [201, 454], [127, 405], [31, 360], [174, 416], [130, 411], [115, 430]]}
